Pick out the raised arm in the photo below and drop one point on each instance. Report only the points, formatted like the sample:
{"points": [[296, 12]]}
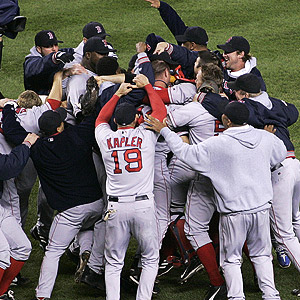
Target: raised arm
{"points": [[108, 109]]}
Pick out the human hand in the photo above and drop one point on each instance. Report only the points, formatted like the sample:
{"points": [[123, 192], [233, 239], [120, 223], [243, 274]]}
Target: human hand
{"points": [[160, 47], [31, 138], [63, 57], [124, 89], [270, 128], [76, 69], [140, 80], [5, 100], [155, 124], [154, 3], [140, 47]]}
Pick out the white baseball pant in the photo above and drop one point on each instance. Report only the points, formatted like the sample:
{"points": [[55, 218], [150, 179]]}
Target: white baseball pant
{"points": [[139, 219], [64, 228], [235, 229]]}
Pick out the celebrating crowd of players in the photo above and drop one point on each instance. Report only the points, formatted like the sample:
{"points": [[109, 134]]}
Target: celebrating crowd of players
{"points": [[95, 136]]}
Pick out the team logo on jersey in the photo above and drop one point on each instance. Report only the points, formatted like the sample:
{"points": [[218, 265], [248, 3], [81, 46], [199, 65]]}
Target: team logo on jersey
{"points": [[50, 35], [98, 28]]}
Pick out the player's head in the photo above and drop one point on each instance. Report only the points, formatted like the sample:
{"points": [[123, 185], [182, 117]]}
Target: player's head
{"points": [[94, 49], [125, 115], [209, 75], [194, 38], [236, 52], [234, 114], [52, 121], [94, 29], [246, 86], [28, 99], [205, 57], [107, 66], [46, 42]]}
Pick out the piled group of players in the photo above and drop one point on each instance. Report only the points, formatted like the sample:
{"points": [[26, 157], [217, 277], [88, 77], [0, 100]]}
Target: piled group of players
{"points": [[65, 89]]}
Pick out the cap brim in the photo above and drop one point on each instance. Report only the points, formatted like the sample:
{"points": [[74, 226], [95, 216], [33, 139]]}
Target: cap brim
{"points": [[227, 48], [181, 38], [59, 41], [232, 85], [165, 58]]}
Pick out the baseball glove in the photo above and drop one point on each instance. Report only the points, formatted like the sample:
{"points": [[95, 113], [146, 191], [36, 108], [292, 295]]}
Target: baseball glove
{"points": [[89, 99]]}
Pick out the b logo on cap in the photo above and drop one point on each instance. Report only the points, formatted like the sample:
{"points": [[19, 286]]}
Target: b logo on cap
{"points": [[50, 35], [105, 43], [98, 28]]}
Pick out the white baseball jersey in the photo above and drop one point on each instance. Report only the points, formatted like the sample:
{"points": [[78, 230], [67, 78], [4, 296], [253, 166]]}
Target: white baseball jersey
{"points": [[202, 124], [130, 151], [182, 93]]}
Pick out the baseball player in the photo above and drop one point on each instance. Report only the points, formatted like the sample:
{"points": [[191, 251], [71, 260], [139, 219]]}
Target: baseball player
{"points": [[128, 155], [44, 60], [63, 160], [89, 30], [15, 247], [242, 151]]}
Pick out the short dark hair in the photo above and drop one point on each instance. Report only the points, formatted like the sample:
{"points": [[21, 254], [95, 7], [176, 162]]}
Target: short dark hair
{"points": [[159, 66], [107, 66], [206, 57]]}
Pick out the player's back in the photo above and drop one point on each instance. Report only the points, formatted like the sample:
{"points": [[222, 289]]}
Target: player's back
{"points": [[128, 156]]}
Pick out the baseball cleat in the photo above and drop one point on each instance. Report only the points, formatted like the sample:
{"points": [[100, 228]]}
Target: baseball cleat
{"points": [[93, 279], [191, 269], [135, 279], [283, 260], [39, 237], [19, 280], [216, 292], [84, 257], [9, 295], [296, 292], [164, 267]]}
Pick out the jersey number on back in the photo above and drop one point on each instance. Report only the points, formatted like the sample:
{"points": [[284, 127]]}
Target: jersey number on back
{"points": [[132, 156]]}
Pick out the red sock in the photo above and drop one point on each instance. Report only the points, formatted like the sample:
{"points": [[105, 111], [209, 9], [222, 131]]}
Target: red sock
{"points": [[10, 273], [1, 275], [169, 245], [207, 256]]}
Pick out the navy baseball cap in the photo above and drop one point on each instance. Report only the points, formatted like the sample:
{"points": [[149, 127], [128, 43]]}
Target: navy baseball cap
{"points": [[51, 119], [195, 34], [94, 29], [125, 113], [97, 44], [237, 112], [247, 82], [46, 38], [235, 43]]}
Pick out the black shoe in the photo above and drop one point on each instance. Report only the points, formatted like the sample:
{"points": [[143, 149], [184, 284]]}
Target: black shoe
{"points": [[19, 280], [9, 295], [93, 279], [216, 292], [296, 292], [164, 267], [39, 237], [191, 269]]}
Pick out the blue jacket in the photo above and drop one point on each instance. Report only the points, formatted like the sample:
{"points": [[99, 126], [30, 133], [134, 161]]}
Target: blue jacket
{"points": [[281, 115], [39, 71], [12, 164], [63, 161]]}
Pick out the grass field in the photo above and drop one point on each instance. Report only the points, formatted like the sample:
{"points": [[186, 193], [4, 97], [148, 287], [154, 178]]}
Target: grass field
{"points": [[272, 28]]}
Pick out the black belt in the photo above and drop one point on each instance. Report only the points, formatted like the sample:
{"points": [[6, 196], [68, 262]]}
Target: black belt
{"points": [[137, 198], [276, 167]]}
